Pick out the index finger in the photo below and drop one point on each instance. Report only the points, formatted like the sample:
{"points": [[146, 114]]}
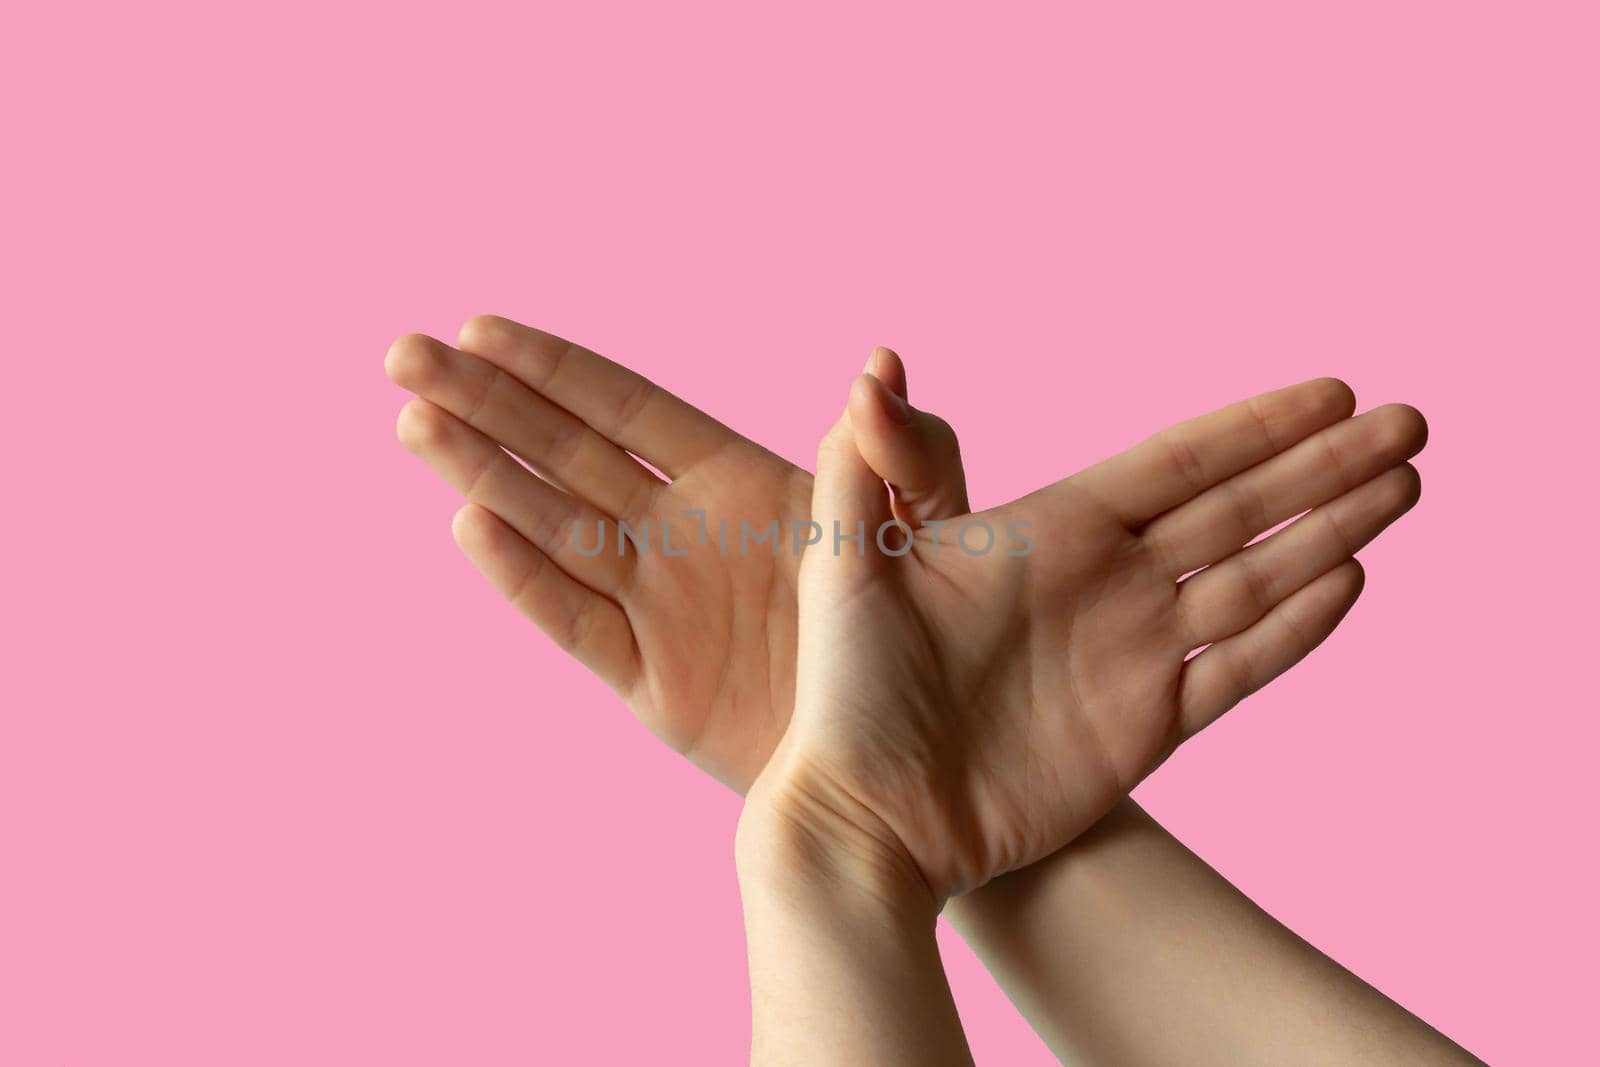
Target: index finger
{"points": [[1183, 461], [624, 407]]}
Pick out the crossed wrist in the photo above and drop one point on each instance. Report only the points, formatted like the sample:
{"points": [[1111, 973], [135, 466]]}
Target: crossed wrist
{"points": [[800, 840]]}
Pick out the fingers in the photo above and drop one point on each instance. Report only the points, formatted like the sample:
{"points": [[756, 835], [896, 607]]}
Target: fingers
{"points": [[848, 500], [1183, 461], [481, 471], [623, 407], [1228, 596], [579, 620], [915, 452], [1232, 669], [886, 365], [551, 439], [1316, 470]]}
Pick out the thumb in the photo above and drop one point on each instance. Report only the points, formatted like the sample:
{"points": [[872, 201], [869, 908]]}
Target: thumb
{"points": [[915, 452], [848, 501]]}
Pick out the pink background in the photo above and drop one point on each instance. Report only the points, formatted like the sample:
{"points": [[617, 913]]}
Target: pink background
{"points": [[283, 781]]}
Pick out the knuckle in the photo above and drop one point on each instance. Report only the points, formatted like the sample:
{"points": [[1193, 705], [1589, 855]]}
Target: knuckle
{"points": [[561, 446], [521, 590], [1184, 460], [1347, 541], [630, 402], [1249, 508], [1256, 585], [945, 434], [1241, 672]]}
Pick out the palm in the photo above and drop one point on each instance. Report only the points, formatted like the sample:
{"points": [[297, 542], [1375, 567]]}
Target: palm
{"points": [[715, 630], [700, 646], [1076, 684]]}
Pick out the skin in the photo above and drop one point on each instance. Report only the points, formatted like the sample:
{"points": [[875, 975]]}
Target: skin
{"points": [[974, 713], [844, 966], [702, 648], [1125, 947], [1188, 496], [671, 636], [902, 781]]}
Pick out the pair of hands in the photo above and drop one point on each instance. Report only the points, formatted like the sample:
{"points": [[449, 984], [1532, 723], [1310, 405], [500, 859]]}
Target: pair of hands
{"points": [[954, 716]]}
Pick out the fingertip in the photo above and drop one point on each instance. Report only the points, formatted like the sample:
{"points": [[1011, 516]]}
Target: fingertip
{"points": [[1337, 395], [483, 333], [413, 362], [1416, 427], [1410, 487], [1350, 577], [468, 525], [886, 365], [421, 426]]}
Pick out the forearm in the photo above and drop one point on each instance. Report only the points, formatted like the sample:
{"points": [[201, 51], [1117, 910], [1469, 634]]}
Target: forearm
{"points": [[844, 968], [1125, 947]]}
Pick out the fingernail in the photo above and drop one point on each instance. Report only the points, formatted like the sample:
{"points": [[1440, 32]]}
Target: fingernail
{"points": [[872, 359]]}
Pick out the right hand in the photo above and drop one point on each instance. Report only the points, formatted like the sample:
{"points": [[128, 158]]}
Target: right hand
{"points": [[964, 711]]}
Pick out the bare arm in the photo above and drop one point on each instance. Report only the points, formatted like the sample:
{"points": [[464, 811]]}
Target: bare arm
{"points": [[844, 968], [1125, 947]]}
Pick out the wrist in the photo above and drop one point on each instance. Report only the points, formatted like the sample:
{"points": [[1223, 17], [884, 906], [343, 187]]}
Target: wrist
{"points": [[802, 841]]}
